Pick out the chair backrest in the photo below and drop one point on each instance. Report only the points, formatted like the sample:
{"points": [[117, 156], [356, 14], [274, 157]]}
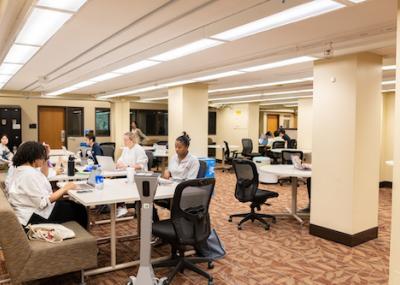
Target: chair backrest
{"points": [[13, 240], [150, 159], [292, 144], [227, 153], [278, 144], [189, 213], [287, 156], [247, 145], [202, 169], [108, 150], [246, 179]]}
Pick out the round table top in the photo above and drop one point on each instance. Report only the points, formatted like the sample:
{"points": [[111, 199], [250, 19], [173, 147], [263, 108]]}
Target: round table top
{"points": [[279, 150], [285, 170]]}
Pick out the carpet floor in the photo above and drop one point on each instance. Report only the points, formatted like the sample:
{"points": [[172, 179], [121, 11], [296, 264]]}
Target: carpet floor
{"points": [[286, 254]]}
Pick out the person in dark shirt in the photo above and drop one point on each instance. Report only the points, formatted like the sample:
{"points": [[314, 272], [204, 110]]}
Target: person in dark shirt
{"points": [[95, 147], [284, 136]]}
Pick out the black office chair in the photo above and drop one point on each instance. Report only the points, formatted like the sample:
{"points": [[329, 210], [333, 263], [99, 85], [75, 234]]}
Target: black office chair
{"points": [[189, 226], [202, 169], [276, 156], [247, 191], [108, 149], [229, 156], [247, 145], [286, 157], [150, 159], [292, 144]]}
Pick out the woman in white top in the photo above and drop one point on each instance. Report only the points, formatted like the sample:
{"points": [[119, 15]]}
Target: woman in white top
{"points": [[30, 193], [133, 154], [5, 153], [183, 165]]}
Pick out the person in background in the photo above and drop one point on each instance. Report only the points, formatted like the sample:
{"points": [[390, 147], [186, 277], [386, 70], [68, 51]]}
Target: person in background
{"points": [[30, 193], [284, 136], [95, 148], [5, 153], [183, 164], [133, 155], [140, 136], [274, 139], [263, 141]]}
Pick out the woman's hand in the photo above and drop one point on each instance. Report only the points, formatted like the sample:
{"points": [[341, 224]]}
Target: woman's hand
{"points": [[47, 147], [69, 186], [167, 174], [120, 165]]}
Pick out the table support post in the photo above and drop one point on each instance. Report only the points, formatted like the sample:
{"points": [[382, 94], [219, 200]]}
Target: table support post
{"points": [[113, 236]]}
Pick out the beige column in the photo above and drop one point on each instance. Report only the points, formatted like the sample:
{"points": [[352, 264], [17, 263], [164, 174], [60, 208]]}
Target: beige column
{"points": [[346, 148], [386, 171], [188, 111], [394, 270], [119, 123], [304, 124]]}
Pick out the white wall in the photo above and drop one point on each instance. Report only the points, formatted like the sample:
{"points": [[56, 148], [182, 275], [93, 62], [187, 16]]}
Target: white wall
{"points": [[386, 171], [304, 124]]}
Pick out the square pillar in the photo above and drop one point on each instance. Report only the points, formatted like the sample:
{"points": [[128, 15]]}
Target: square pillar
{"points": [[346, 148], [188, 111], [120, 123]]}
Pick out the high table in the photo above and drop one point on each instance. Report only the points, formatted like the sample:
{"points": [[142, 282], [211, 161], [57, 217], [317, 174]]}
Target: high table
{"points": [[222, 147], [288, 171], [60, 152], [116, 191]]}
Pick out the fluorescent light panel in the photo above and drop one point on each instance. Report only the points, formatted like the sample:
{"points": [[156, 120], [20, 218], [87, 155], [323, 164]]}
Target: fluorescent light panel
{"points": [[4, 78], [389, 82], [276, 64], [187, 49], [292, 15], [136, 66], [389, 67], [9, 68], [218, 75], [357, 1], [41, 25], [293, 81], [68, 5], [262, 94], [20, 53], [154, 98]]}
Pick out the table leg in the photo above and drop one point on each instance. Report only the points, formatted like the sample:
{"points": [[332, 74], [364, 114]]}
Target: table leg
{"points": [[293, 209], [113, 235], [223, 158]]}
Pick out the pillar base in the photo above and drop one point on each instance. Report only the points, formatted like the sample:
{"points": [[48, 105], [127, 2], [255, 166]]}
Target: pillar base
{"points": [[343, 238], [385, 184]]}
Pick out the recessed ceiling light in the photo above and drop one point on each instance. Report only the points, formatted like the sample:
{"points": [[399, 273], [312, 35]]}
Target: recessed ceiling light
{"points": [[218, 75], [9, 68], [4, 78], [20, 53], [187, 49], [136, 66], [154, 99], [389, 67], [41, 25], [71, 88], [389, 82], [357, 1], [104, 77], [291, 15], [388, 90], [262, 94], [277, 64], [68, 5], [292, 81]]}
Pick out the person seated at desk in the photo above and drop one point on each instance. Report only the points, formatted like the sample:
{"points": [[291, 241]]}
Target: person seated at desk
{"points": [[95, 148], [133, 155], [5, 153], [140, 136], [273, 139], [30, 192], [284, 136], [183, 165]]}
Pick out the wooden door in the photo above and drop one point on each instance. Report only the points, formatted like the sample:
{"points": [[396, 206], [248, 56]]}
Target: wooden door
{"points": [[272, 123], [52, 126]]}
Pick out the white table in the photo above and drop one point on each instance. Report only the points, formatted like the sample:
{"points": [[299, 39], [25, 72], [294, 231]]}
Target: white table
{"points": [[288, 171], [149, 148], [84, 176], [60, 152], [116, 191], [279, 150], [222, 147]]}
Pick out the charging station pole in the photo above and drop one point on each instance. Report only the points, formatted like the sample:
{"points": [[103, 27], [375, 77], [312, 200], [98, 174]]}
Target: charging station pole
{"points": [[147, 185]]}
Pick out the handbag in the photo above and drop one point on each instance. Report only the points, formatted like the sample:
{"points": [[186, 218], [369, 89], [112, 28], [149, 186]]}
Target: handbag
{"points": [[212, 248], [53, 233]]}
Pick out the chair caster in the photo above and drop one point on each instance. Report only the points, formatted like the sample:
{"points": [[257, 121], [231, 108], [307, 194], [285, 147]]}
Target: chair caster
{"points": [[165, 282], [239, 228], [211, 282], [210, 265], [266, 227], [274, 220], [230, 219]]}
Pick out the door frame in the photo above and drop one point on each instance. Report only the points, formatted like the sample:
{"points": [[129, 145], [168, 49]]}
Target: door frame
{"points": [[275, 115], [65, 120]]}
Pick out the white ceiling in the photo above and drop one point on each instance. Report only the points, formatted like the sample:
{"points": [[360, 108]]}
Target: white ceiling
{"points": [[103, 36]]}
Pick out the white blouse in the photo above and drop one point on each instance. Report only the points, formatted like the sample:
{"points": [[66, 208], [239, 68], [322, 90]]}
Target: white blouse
{"points": [[187, 168], [134, 155], [29, 192]]}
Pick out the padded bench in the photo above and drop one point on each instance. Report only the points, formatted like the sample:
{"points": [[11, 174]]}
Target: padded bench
{"points": [[28, 260]]}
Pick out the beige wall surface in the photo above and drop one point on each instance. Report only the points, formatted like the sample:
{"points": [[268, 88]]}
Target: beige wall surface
{"points": [[304, 124], [386, 171], [346, 142]]}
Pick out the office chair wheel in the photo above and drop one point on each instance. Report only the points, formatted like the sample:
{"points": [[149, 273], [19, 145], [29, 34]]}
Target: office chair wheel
{"points": [[211, 282], [274, 220], [266, 227], [230, 219], [165, 282], [239, 227], [210, 265]]}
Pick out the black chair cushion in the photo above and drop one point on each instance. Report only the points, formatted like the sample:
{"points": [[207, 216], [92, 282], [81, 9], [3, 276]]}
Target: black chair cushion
{"points": [[165, 230], [263, 195]]}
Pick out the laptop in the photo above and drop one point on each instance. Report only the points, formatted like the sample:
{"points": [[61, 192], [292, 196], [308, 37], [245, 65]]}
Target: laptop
{"points": [[90, 184], [107, 163], [297, 163]]}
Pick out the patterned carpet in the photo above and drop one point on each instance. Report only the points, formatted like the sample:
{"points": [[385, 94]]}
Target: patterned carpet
{"points": [[286, 254]]}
